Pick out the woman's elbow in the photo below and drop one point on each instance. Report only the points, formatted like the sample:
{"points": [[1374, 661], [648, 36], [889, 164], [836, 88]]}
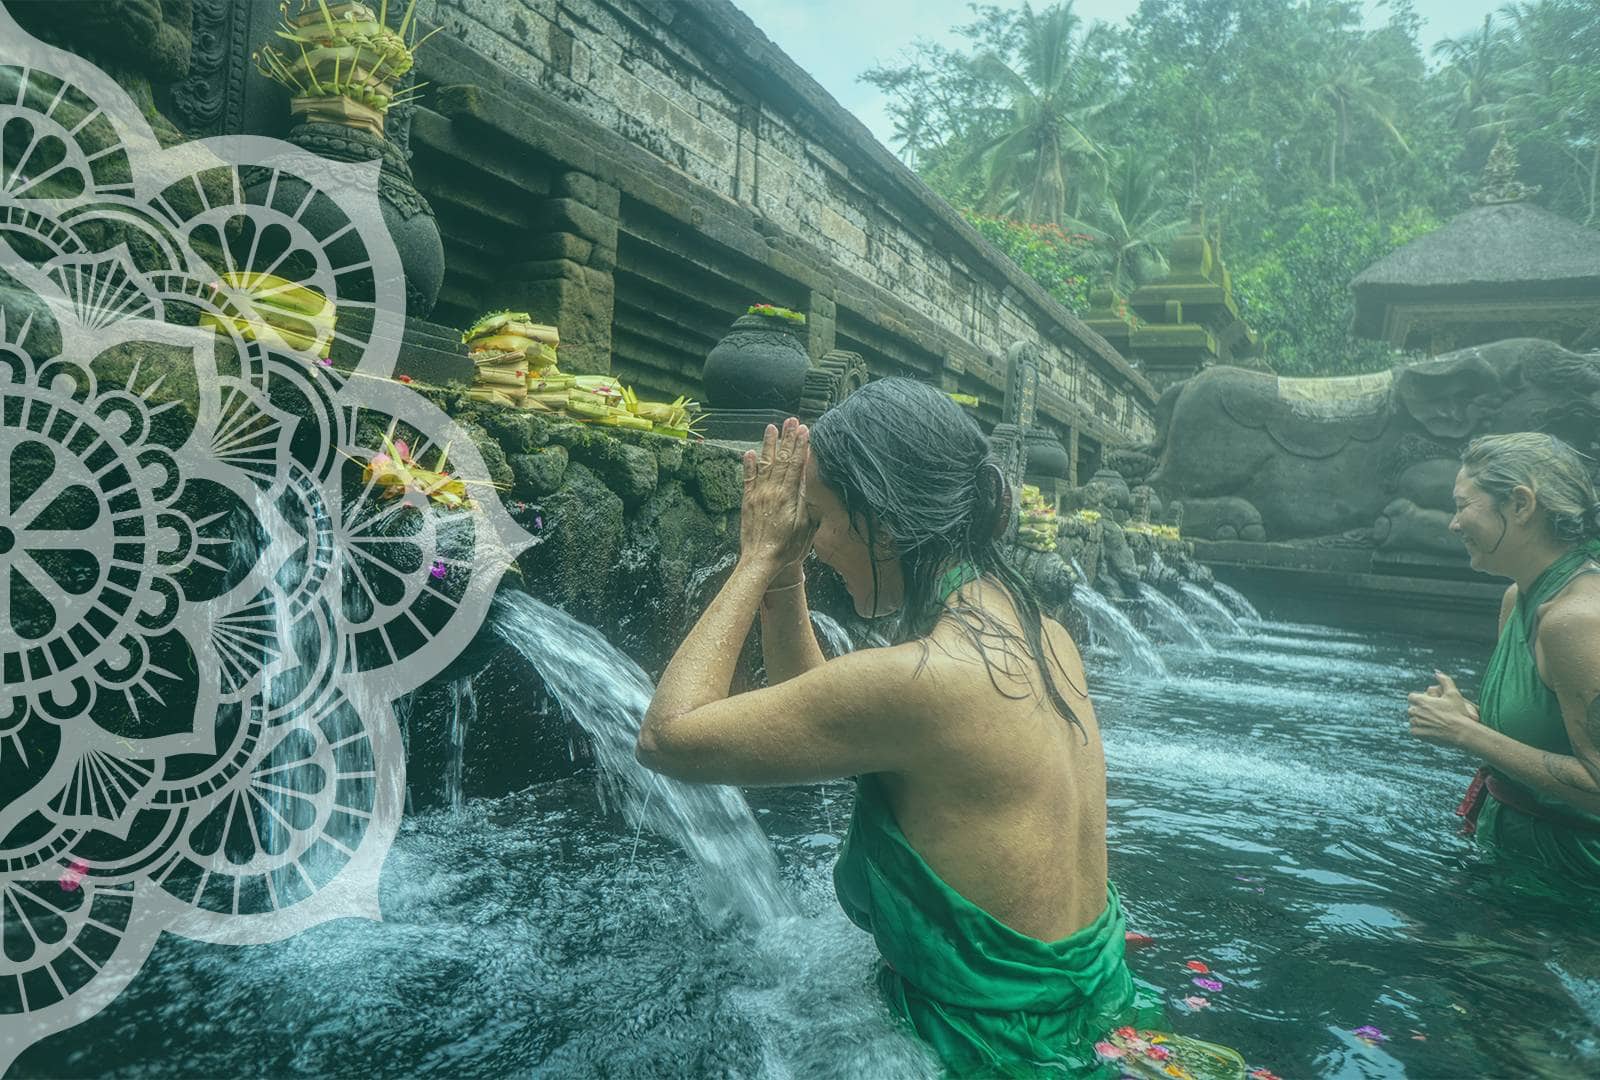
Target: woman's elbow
{"points": [[646, 748], [653, 747]]}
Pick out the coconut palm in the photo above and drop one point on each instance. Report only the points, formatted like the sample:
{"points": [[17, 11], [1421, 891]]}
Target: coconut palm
{"points": [[1477, 77], [1347, 87], [1026, 165], [1131, 223]]}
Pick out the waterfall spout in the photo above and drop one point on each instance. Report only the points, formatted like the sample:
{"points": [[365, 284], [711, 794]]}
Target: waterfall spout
{"points": [[1211, 609], [835, 638], [1109, 629], [1235, 599], [607, 694], [1174, 624]]}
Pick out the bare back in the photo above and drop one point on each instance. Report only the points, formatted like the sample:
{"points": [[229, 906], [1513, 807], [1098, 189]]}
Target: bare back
{"points": [[1011, 810]]}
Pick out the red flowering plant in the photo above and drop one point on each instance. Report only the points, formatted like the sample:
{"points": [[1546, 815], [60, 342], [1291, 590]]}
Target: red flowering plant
{"points": [[1058, 260]]}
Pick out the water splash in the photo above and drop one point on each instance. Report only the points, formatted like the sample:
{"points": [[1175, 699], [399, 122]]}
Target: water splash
{"points": [[1172, 621], [1110, 629], [1211, 609], [463, 711], [607, 694], [697, 591], [1235, 599], [835, 638]]}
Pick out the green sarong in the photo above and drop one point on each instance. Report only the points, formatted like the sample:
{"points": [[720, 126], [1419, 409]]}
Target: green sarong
{"points": [[1516, 702], [989, 1000]]}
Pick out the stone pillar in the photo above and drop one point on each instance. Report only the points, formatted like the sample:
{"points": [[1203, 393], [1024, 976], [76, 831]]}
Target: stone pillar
{"points": [[821, 324], [570, 281], [1072, 453], [1021, 403]]}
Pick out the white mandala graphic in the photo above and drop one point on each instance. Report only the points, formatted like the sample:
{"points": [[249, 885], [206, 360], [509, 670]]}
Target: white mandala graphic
{"points": [[205, 610]]}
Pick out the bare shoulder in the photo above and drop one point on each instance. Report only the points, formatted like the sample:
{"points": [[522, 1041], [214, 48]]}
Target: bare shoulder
{"points": [[1569, 633]]}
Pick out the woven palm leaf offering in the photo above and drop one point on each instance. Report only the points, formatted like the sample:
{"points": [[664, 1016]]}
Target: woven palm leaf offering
{"points": [[342, 61], [396, 473], [264, 307], [675, 418], [514, 360], [1161, 1055], [1038, 527]]}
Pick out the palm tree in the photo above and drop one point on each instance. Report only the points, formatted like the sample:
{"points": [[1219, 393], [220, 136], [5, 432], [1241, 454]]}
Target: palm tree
{"points": [[1346, 86], [1477, 78], [1131, 224], [1026, 165]]}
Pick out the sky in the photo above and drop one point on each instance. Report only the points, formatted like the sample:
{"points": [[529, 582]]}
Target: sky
{"points": [[836, 40]]}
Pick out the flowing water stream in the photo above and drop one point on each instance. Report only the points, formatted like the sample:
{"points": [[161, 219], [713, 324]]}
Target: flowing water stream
{"points": [[1210, 610], [1269, 816]]}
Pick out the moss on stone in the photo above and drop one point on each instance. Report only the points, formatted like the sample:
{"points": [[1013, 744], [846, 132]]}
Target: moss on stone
{"points": [[718, 481], [538, 473]]}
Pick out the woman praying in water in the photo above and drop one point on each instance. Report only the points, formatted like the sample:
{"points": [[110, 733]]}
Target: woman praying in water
{"points": [[1526, 510], [976, 854]]}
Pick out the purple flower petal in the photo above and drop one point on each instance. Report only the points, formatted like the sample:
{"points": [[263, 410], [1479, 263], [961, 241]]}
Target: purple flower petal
{"points": [[1367, 1031], [1207, 984]]}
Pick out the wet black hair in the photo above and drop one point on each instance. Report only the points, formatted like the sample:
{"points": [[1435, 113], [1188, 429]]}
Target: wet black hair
{"points": [[906, 460]]}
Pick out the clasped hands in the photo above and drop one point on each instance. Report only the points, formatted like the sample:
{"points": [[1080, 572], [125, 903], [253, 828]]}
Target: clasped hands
{"points": [[775, 526], [1441, 715]]}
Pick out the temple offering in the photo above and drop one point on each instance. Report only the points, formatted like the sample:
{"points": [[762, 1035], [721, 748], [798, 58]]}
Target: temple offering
{"points": [[515, 357], [515, 361], [263, 307], [1039, 524]]}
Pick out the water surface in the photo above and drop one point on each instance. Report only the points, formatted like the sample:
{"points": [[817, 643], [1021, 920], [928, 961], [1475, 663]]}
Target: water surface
{"points": [[1269, 817]]}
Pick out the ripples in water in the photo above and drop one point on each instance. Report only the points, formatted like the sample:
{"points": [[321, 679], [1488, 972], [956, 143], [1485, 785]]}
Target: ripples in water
{"points": [[1268, 815]]}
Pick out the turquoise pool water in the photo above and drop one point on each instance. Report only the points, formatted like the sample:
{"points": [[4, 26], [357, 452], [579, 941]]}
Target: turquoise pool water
{"points": [[1269, 817]]}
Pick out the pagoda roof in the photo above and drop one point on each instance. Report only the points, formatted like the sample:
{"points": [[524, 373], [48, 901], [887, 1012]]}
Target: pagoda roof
{"points": [[1509, 250]]}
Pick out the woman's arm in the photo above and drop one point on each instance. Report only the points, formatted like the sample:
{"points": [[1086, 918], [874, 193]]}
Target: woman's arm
{"points": [[788, 643], [1570, 643], [871, 711]]}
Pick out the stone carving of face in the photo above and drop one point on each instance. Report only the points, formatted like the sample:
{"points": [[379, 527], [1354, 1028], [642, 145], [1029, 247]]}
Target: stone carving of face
{"points": [[1451, 396], [844, 549]]}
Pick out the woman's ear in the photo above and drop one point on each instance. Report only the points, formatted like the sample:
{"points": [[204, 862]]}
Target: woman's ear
{"points": [[1522, 502]]}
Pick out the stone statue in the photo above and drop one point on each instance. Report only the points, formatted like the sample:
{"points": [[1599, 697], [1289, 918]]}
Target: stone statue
{"points": [[1365, 459]]}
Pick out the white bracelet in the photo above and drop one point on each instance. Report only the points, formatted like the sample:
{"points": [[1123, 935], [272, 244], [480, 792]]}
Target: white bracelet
{"points": [[786, 588]]}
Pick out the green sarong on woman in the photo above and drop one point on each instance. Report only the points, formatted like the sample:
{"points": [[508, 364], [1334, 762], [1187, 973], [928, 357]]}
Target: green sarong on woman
{"points": [[990, 1001], [1510, 817]]}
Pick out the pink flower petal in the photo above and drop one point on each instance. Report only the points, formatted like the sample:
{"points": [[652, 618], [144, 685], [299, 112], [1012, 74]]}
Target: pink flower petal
{"points": [[1195, 1001], [1106, 1050]]}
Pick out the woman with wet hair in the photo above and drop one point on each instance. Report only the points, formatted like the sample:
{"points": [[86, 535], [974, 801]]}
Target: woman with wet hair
{"points": [[1526, 509], [976, 854]]}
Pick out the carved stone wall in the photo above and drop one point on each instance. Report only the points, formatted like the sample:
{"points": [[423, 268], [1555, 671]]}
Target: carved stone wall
{"points": [[736, 179]]}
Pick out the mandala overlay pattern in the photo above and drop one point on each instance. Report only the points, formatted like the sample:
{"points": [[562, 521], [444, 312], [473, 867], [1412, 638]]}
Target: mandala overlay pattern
{"points": [[205, 612]]}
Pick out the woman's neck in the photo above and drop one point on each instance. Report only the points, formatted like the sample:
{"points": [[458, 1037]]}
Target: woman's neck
{"points": [[1535, 561]]}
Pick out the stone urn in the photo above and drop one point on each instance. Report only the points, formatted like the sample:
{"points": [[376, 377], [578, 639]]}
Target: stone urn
{"points": [[760, 363], [406, 213], [1115, 486], [1048, 460]]}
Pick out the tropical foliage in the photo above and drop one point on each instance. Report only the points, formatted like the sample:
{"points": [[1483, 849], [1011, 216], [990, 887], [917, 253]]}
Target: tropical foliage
{"points": [[1318, 142]]}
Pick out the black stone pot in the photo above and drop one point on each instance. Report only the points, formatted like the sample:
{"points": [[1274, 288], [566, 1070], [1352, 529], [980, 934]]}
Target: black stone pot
{"points": [[760, 364], [1047, 458], [406, 214]]}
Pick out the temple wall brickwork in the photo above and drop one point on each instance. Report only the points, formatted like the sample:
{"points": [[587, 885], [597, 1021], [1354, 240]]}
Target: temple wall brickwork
{"points": [[682, 167]]}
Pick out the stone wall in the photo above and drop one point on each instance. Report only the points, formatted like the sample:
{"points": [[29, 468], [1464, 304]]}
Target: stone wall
{"points": [[642, 171]]}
